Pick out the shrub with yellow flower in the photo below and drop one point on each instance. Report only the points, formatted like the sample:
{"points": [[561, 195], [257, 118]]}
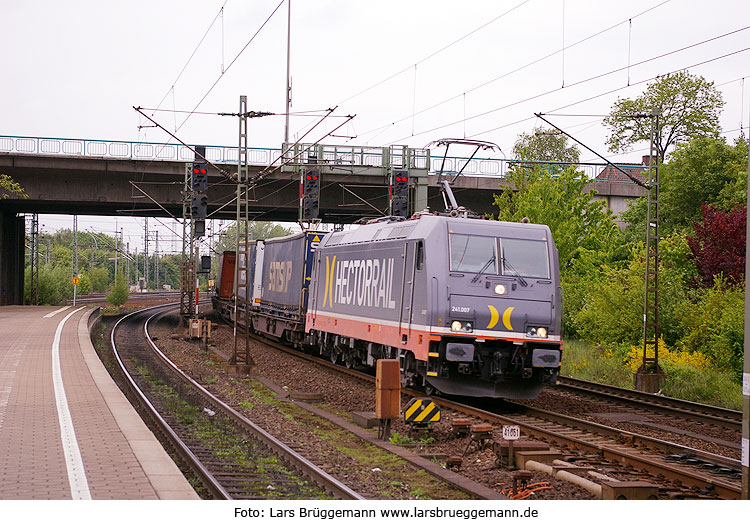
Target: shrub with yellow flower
{"points": [[695, 359]]}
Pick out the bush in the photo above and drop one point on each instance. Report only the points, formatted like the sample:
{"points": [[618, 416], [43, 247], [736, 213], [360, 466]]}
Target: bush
{"points": [[680, 357], [612, 307], [120, 291], [713, 323], [685, 377], [595, 363], [708, 386], [99, 279]]}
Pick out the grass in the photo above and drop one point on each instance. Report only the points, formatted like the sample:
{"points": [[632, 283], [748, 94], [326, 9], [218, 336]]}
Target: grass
{"points": [[417, 483], [687, 382], [111, 310], [226, 444]]}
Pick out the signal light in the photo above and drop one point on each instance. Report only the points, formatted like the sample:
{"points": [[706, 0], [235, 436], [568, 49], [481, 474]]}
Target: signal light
{"points": [[310, 194], [200, 176], [400, 193]]}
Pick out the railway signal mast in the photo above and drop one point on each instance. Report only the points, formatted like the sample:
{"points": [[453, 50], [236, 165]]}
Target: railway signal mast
{"points": [[194, 212], [241, 354]]}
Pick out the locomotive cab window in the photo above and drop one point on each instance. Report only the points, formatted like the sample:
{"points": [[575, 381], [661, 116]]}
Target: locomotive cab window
{"points": [[420, 255], [527, 258], [473, 253]]}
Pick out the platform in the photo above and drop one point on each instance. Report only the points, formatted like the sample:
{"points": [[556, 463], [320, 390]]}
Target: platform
{"points": [[66, 430]]}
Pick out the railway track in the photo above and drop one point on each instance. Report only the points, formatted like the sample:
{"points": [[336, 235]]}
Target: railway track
{"points": [[705, 414], [92, 298], [231, 457], [679, 470]]}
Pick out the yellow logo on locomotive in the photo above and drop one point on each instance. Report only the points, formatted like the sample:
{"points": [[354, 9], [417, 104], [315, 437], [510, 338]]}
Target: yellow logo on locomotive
{"points": [[495, 317]]}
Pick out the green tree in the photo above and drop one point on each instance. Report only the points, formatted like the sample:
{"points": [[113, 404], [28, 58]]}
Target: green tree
{"points": [[120, 291], [689, 107], [9, 187], [697, 173], [99, 279], [545, 145], [256, 231], [577, 220], [704, 170]]}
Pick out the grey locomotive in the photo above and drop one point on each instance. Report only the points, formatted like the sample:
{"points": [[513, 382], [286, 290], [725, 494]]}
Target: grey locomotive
{"points": [[470, 307]]}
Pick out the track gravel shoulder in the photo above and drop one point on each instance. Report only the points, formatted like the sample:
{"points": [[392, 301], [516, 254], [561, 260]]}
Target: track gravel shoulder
{"points": [[358, 461]]}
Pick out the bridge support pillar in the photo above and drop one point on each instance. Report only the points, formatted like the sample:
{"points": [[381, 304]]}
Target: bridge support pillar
{"points": [[12, 256]]}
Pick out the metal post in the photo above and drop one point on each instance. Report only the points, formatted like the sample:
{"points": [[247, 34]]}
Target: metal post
{"points": [[75, 257], [156, 261], [145, 250], [116, 248], [127, 263], [186, 287], [288, 93], [650, 376], [242, 266], [34, 260], [746, 373]]}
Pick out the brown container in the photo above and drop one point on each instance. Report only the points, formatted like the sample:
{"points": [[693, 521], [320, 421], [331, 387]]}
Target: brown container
{"points": [[226, 275], [387, 404], [388, 374]]}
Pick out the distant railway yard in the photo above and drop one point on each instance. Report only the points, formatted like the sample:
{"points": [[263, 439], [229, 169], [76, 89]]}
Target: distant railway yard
{"points": [[578, 441]]}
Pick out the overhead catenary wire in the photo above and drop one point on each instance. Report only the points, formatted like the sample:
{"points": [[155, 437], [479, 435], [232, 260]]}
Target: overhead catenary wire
{"points": [[589, 79], [609, 92], [200, 42], [515, 70], [234, 60], [433, 54]]}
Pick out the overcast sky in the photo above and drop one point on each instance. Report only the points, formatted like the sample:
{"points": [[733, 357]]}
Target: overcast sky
{"points": [[411, 71]]}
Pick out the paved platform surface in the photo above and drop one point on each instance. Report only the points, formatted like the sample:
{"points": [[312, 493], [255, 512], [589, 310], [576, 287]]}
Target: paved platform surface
{"points": [[66, 430]]}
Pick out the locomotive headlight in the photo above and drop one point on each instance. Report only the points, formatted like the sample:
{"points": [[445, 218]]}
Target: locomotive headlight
{"points": [[538, 331], [500, 289], [461, 326]]}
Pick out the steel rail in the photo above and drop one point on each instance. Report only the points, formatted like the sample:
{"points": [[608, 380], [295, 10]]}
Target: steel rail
{"points": [[329, 483], [706, 413], [620, 446], [205, 476]]}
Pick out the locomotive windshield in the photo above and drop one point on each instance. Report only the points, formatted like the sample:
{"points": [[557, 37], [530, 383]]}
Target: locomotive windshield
{"points": [[478, 254], [471, 253], [527, 258]]}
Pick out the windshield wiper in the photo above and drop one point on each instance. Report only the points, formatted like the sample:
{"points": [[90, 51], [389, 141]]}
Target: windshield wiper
{"points": [[486, 265], [506, 265]]}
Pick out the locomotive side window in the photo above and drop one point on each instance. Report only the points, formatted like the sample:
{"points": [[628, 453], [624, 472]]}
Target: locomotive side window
{"points": [[420, 255], [473, 254], [527, 258]]}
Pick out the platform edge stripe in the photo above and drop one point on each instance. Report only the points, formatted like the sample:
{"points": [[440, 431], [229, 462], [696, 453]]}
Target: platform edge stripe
{"points": [[52, 314], [79, 486]]}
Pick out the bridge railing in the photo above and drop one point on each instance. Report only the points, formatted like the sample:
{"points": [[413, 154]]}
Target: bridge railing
{"points": [[127, 149], [338, 156], [395, 156]]}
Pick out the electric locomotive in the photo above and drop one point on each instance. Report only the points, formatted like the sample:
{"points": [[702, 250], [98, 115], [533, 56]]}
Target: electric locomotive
{"points": [[470, 307]]}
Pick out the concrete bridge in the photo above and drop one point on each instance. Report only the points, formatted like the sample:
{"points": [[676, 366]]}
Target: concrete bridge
{"points": [[94, 177]]}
